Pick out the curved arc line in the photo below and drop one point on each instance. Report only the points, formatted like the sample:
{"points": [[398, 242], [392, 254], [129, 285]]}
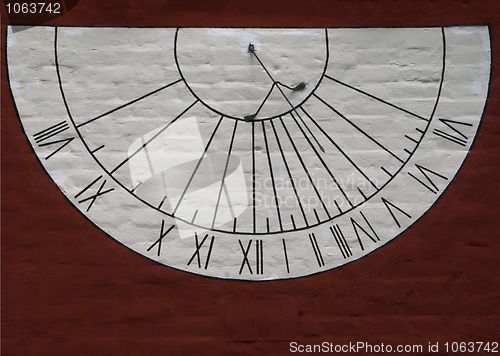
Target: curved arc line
{"points": [[322, 76]]}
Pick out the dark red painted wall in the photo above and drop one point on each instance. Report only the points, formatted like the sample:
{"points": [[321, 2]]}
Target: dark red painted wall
{"points": [[67, 289]]}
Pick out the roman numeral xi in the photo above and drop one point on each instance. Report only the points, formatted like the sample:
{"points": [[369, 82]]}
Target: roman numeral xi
{"points": [[198, 247]]}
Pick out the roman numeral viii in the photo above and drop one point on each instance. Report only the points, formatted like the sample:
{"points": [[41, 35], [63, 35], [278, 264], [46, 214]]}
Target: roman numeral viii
{"points": [[51, 136]]}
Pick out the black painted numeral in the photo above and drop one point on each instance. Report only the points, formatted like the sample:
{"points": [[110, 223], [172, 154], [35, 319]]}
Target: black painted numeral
{"points": [[359, 230], [317, 251], [286, 256], [341, 241], [163, 232], [47, 137], [93, 196], [259, 257], [390, 206], [455, 135], [198, 246], [425, 172]]}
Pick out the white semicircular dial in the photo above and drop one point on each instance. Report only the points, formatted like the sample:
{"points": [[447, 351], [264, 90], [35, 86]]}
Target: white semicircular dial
{"points": [[251, 153]]}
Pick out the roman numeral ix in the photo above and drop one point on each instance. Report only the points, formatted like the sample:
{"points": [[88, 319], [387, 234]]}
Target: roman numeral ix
{"points": [[92, 197]]}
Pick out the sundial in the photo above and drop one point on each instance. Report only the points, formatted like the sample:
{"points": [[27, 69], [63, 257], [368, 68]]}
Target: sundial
{"points": [[250, 153]]}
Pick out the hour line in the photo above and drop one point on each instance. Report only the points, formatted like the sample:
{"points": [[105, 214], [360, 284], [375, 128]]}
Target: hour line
{"points": [[129, 103], [338, 148], [338, 207], [317, 215], [310, 132], [254, 215], [358, 128], [323, 162], [304, 167], [289, 173], [361, 192], [152, 138], [225, 172], [197, 166], [376, 98], [386, 172], [272, 176], [229, 202], [97, 149], [161, 203], [194, 216]]}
